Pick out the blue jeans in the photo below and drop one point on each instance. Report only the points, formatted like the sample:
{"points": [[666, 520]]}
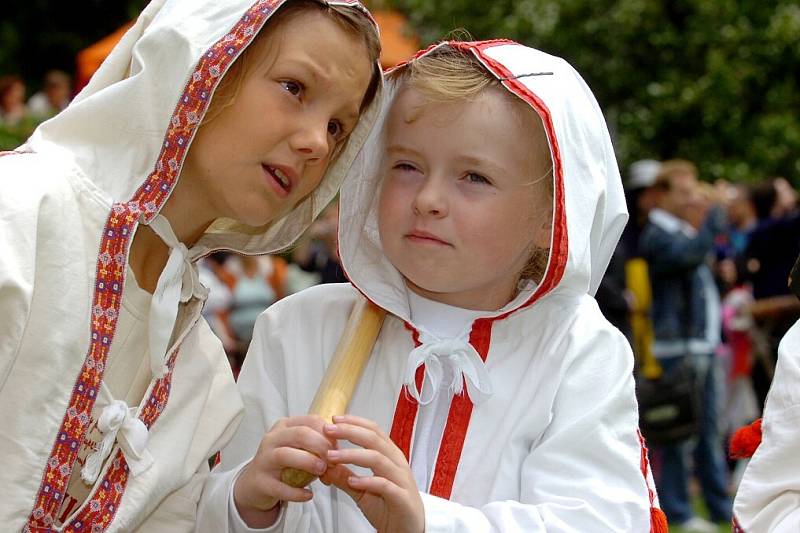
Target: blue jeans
{"points": [[708, 453]]}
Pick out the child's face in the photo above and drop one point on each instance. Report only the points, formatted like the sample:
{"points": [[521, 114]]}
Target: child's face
{"points": [[458, 215], [271, 147]]}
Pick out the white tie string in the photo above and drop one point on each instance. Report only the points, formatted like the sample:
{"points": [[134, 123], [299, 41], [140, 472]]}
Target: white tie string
{"points": [[460, 356], [178, 282], [119, 422]]}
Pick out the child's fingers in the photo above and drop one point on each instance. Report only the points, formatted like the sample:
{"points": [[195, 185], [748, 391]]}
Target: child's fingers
{"points": [[366, 438], [338, 475], [313, 421], [380, 486], [359, 421], [372, 459], [288, 457], [302, 437], [286, 493]]}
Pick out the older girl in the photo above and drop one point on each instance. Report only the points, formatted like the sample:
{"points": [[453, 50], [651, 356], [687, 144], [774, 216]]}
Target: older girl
{"points": [[211, 125]]}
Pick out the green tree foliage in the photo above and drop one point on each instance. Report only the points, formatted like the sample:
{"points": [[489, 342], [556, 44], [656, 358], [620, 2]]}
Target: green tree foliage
{"points": [[715, 81]]}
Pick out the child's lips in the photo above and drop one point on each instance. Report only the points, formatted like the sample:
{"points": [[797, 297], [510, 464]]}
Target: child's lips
{"points": [[424, 237], [281, 178]]}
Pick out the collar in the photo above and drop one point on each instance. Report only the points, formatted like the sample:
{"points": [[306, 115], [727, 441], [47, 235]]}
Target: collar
{"points": [[670, 223]]}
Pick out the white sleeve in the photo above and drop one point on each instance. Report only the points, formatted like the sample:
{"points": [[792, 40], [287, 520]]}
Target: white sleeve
{"points": [[18, 239], [768, 498], [262, 384], [585, 473]]}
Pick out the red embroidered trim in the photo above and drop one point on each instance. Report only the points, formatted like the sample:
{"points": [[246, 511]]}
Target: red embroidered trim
{"points": [[455, 432], [559, 252], [737, 528], [99, 511], [405, 413]]}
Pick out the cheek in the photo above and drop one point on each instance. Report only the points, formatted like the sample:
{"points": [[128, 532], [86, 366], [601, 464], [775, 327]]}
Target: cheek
{"points": [[385, 210]]}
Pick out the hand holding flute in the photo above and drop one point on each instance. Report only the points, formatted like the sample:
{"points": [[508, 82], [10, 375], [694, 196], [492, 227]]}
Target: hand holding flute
{"points": [[283, 451]]}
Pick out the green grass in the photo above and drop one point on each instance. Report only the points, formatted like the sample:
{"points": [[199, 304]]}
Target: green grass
{"points": [[700, 509]]}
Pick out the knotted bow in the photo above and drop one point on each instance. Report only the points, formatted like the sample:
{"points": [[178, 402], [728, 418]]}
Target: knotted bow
{"points": [[118, 422], [178, 282], [462, 359]]}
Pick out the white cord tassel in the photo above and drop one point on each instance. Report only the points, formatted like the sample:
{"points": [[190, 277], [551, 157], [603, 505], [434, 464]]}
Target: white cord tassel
{"points": [[118, 420]]}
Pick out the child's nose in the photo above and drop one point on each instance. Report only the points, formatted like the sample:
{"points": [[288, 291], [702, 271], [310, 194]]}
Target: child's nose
{"points": [[431, 198], [311, 141]]}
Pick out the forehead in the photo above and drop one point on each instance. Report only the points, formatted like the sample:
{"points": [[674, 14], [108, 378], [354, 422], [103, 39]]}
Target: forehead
{"points": [[314, 42], [488, 114]]}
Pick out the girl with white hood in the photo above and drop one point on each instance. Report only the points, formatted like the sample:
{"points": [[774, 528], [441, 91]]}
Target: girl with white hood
{"points": [[481, 215], [212, 125]]}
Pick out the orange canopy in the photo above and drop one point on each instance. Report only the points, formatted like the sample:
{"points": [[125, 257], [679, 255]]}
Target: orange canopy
{"points": [[397, 41], [89, 59]]}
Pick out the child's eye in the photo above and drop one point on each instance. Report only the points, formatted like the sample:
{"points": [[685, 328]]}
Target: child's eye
{"points": [[472, 177], [292, 87], [335, 129], [406, 167]]}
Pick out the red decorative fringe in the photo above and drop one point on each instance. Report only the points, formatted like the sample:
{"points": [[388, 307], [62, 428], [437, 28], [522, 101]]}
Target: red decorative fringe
{"points": [[658, 521], [745, 441]]}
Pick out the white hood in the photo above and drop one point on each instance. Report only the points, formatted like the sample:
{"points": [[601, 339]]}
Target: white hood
{"points": [[589, 210], [130, 128]]}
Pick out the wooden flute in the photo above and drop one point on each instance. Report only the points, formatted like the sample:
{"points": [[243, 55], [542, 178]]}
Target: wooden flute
{"points": [[343, 373]]}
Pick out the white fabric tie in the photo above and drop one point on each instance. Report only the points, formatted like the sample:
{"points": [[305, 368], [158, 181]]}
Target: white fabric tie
{"points": [[118, 422], [463, 360], [179, 281]]}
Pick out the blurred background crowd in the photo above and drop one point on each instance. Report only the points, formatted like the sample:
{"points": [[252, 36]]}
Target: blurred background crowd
{"points": [[701, 98]]}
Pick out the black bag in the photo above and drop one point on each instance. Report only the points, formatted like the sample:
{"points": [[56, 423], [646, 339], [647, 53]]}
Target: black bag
{"points": [[669, 407]]}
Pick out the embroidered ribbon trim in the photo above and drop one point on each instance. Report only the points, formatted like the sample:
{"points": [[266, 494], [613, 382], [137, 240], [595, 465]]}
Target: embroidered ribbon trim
{"points": [[179, 281], [118, 422], [463, 360]]}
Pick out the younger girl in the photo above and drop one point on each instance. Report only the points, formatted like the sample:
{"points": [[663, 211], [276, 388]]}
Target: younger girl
{"points": [[497, 398], [113, 391]]}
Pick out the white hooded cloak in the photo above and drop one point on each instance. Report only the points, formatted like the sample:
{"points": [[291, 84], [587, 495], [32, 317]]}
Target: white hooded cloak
{"points": [[768, 498], [551, 441], [70, 201]]}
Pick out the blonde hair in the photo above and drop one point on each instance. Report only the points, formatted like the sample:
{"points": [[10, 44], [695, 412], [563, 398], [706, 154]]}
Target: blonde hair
{"points": [[671, 168], [352, 20], [448, 75]]}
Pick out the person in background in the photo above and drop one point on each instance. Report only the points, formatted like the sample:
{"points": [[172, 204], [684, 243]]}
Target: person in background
{"points": [[772, 248], [319, 251], [54, 96], [12, 100], [676, 243], [257, 282], [617, 300]]}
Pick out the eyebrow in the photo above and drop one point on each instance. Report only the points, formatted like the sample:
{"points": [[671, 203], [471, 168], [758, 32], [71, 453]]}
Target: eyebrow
{"points": [[485, 163], [396, 148]]}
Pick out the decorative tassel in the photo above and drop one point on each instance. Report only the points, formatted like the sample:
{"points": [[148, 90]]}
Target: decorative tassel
{"points": [[658, 521], [745, 441]]}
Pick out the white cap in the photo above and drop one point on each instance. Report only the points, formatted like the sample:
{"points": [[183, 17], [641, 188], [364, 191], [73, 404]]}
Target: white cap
{"points": [[642, 174]]}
